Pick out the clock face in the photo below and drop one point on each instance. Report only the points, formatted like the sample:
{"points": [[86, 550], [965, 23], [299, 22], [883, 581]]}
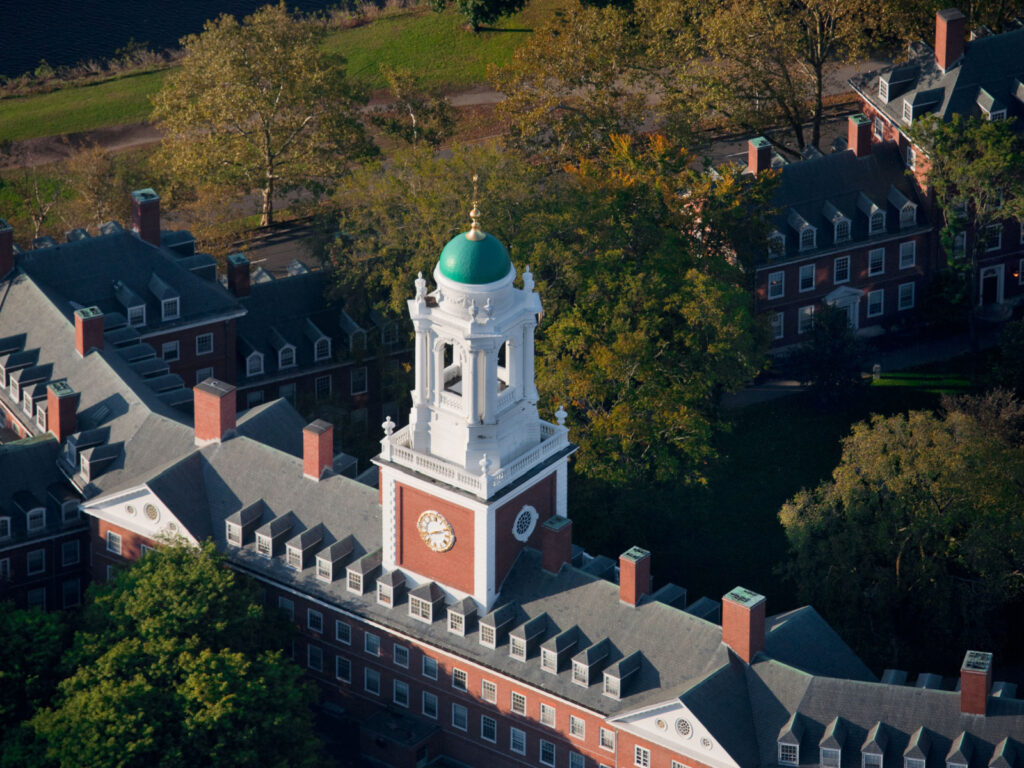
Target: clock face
{"points": [[435, 531]]}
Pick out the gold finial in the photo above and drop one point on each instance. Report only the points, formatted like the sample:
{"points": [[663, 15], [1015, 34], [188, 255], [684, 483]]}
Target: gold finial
{"points": [[475, 233]]}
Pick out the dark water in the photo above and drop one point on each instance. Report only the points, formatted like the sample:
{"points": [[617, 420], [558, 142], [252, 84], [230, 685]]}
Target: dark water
{"points": [[65, 32]]}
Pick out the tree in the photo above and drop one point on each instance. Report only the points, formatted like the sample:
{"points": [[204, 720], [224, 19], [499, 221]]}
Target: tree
{"points": [[100, 183], [975, 168], [481, 12], [258, 106], [639, 261], [34, 199], [174, 665], [832, 358], [913, 550], [412, 115]]}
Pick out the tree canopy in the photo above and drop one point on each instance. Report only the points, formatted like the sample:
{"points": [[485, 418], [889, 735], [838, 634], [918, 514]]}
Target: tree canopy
{"points": [[174, 666], [913, 549], [258, 106], [832, 358], [640, 264], [481, 12]]}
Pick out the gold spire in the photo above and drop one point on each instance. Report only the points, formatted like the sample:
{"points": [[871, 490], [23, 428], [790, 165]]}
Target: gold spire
{"points": [[475, 233]]}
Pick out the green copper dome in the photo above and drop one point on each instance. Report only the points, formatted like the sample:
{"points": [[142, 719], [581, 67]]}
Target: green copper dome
{"points": [[475, 262]]}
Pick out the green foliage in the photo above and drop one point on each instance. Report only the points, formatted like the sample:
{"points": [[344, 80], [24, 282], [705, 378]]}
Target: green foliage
{"points": [[832, 358], [258, 106], [174, 667], [1008, 368], [30, 665], [638, 260], [912, 551], [481, 12], [413, 115]]}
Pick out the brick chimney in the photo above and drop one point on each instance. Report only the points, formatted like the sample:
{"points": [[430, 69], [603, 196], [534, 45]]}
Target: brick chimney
{"points": [[743, 622], [238, 274], [88, 330], [858, 136], [556, 543], [759, 155], [61, 409], [634, 575], [214, 405], [146, 215], [317, 448], [6, 248], [975, 682], [950, 30]]}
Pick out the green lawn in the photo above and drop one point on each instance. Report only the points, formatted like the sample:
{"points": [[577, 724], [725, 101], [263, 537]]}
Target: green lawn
{"points": [[433, 45], [712, 539]]}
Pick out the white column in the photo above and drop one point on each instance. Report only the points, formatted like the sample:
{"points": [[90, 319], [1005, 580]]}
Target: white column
{"points": [[530, 391], [419, 394], [438, 371], [490, 382], [562, 490], [484, 586], [515, 365], [471, 386]]}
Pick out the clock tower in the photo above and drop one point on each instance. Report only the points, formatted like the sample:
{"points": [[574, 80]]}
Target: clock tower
{"points": [[476, 473]]}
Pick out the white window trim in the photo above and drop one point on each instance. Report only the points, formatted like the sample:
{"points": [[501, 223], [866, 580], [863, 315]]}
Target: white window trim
{"points": [[458, 708], [514, 732], [462, 677], [28, 559], [139, 313], [369, 672], [908, 216], [835, 230], [310, 613], [814, 238], [999, 240], [367, 643], [254, 364], [207, 337], [872, 229], [800, 280], [835, 270], [396, 686], [400, 651], [912, 262], [607, 739], [343, 636], [311, 651], [176, 302], [548, 715], [838, 754], [784, 761], [317, 357], [881, 303], [494, 729], [280, 357], [899, 297], [341, 662], [776, 278], [429, 663], [641, 756], [577, 723], [544, 743], [114, 543], [489, 691], [517, 703], [170, 351], [427, 695], [31, 519], [872, 272], [808, 312]]}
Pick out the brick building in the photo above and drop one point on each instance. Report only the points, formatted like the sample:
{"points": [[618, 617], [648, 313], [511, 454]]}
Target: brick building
{"points": [[449, 614]]}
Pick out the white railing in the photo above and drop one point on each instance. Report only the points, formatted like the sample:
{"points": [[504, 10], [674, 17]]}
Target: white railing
{"points": [[451, 401], [397, 448], [505, 399]]}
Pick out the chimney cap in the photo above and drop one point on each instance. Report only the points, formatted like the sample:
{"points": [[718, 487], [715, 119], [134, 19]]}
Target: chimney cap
{"points": [[87, 313], [760, 142], [744, 597], [635, 554], [860, 119], [144, 195], [977, 661], [951, 14], [318, 427], [239, 259], [556, 523], [215, 387], [61, 388]]}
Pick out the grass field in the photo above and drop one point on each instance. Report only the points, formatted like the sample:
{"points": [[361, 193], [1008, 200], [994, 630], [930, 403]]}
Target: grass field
{"points": [[711, 539], [435, 46]]}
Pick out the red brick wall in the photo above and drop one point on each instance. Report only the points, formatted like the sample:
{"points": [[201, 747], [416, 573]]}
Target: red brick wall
{"points": [[221, 359], [131, 548], [506, 548], [453, 568]]}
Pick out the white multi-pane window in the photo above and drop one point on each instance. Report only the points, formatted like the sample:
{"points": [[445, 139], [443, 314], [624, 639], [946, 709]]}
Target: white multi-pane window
{"points": [[137, 315], [286, 608], [908, 254], [547, 715], [315, 621], [518, 703], [876, 303], [430, 705], [286, 357], [789, 754], [547, 753], [879, 127], [842, 230], [420, 609], [114, 542], [457, 623], [254, 364], [913, 762], [460, 717], [806, 278], [576, 760], [607, 739], [429, 667], [487, 636], [641, 757], [343, 669], [459, 679], [400, 693], [342, 632], [170, 351], [170, 308], [204, 343], [908, 216], [776, 285], [808, 238], [517, 648], [36, 519], [371, 681], [517, 741], [577, 727], [906, 296], [841, 270], [877, 223], [993, 237], [911, 154], [876, 261], [371, 644], [488, 728], [870, 760], [805, 319], [489, 691], [401, 655], [315, 658], [830, 758]]}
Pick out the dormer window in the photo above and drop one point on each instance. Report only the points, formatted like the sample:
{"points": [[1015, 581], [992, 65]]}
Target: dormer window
{"points": [[41, 419], [385, 595], [908, 112], [913, 762], [517, 648], [324, 570], [5, 527], [254, 364], [322, 349], [487, 636], [611, 686], [877, 223], [549, 660], [842, 230], [870, 760], [170, 309], [883, 91], [789, 754], [776, 245], [997, 115], [286, 357], [234, 534], [421, 609], [580, 674], [908, 216], [456, 623], [36, 520], [294, 558], [264, 545], [830, 758], [354, 583], [808, 238], [137, 315]]}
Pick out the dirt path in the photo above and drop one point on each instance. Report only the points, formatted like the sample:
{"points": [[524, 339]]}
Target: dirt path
{"points": [[117, 138]]}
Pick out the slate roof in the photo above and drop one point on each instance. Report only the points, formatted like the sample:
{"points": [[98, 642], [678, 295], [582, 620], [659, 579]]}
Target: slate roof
{"points": [[84, 272], [815, 189], [28, 473], [991, 70]]}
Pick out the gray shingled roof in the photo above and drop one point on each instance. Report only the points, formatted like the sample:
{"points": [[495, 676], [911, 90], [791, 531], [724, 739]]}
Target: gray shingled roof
{"points": [[993, 64]]}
